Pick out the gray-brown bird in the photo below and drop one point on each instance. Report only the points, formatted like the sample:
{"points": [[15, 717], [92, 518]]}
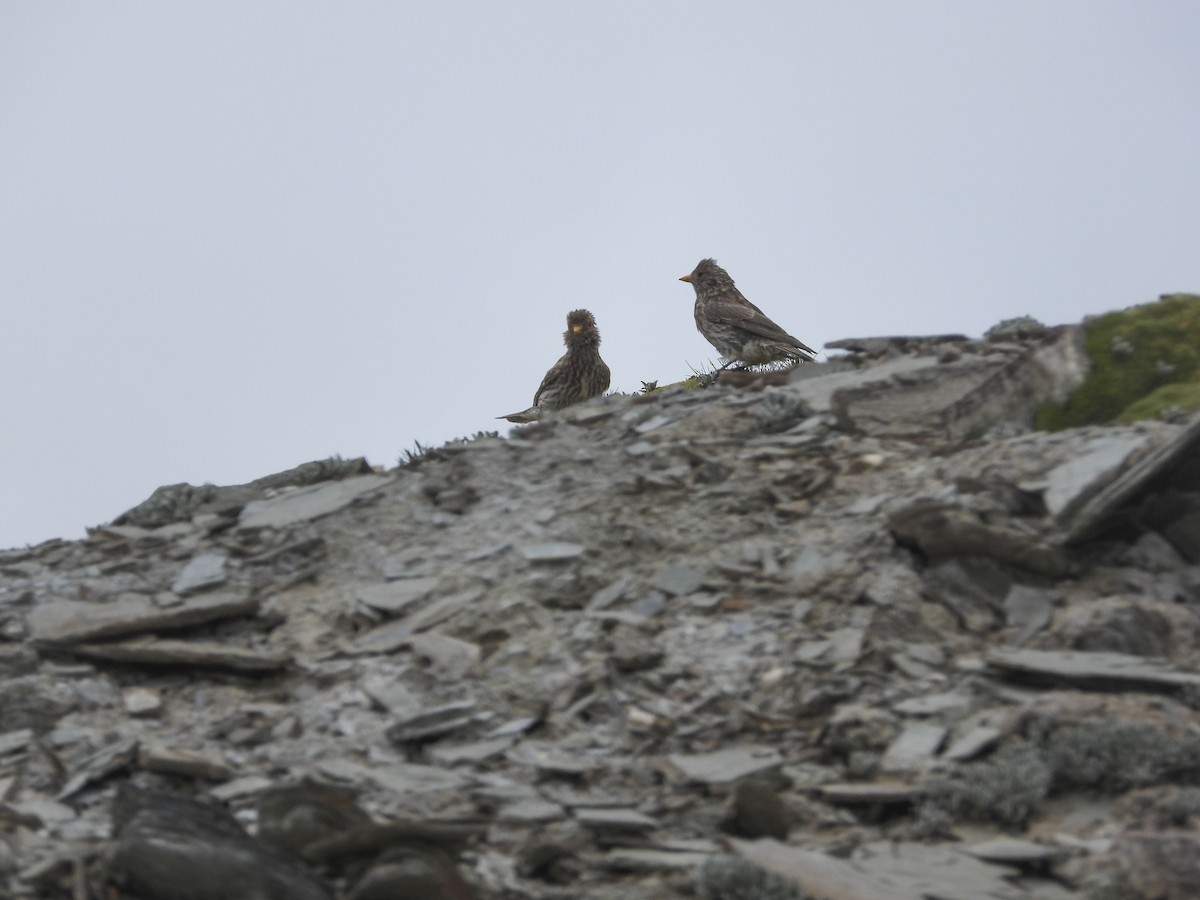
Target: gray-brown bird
{"points": [[579, 375], [740, 331]]}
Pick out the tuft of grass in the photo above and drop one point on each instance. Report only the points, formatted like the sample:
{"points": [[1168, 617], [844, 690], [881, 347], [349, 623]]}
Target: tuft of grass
{"points": [[1005, 788], [1163, 403], [1135, 353], [1114, 755], [735, 878]]}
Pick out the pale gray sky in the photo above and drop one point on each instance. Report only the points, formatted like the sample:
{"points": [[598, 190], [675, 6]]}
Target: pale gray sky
{"points": [[241, 235]]}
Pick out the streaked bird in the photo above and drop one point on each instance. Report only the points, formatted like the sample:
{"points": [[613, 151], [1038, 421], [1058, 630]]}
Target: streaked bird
{"points": [[579, 375], [739, 330]]}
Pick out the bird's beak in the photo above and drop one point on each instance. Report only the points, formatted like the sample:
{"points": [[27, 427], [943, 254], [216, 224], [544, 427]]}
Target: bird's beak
{"points": [[577, 328], [687, 278]]}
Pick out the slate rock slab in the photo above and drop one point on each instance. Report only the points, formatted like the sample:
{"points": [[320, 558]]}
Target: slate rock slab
{"points": [[308, 503], [913, 747], [727, 766], [553, 551], [396, 596], [1095, 671], [73, 621], [202, 572], [172, 846], [185, 654]]}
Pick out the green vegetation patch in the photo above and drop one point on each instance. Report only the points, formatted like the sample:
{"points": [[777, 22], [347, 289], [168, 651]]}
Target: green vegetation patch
{"points": [[1145, 363]]}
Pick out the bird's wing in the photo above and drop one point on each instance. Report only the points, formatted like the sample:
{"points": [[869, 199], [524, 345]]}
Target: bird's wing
{"points": [[552, 381], [750, 318]]}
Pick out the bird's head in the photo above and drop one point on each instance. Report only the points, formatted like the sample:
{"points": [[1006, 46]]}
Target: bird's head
{"points": [[581, 328], [707, 273]]}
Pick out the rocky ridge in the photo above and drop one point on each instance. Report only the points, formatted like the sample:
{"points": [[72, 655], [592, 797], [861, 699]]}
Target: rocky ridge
{"points": [[853, 632]]}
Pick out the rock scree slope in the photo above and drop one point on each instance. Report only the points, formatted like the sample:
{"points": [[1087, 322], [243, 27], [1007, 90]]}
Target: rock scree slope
{"points": [[851, 632]]}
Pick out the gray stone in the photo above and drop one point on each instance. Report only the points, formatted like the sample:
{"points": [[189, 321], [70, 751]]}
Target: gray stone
{"points": [[432, 723], [397, 595], [246, 786], [441, 610], [207, 570], [71, 621], [973, 743], [933, 704], [385, 639], [188, 763], [307, 503], [104, 762], [1071, 484], [680, 578], [723, 767], [1027, 611], [527, 812], [449, 657], [204, 654], [474, 752], [401, 779], [871, 794], [13, 741], [610, 593], [913, 749], [631, 859], [1014, 851], [555, 551], [552, 760], [142, 701], [608, 819], [1108, 504], [1089, 670]]}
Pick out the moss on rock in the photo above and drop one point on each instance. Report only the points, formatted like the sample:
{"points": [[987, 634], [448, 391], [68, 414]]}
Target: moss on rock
{"points": [[1145, 362]]}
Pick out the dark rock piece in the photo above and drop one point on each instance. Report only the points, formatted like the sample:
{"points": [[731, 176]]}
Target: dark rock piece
{"points": [[104, 762], [1117, 625], [413, 872], [205, 654], [369, 841], [943, 532], [615, 820], [972, 589], [1164, 865], [429, 724], [32, 701], [294, 817], [871, 794], [1117, 502], [171, 846], [756, 810], [1090, 671], [178, 502]]}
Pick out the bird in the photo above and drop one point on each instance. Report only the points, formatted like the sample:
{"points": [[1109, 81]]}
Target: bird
{"points": [[579, 374], [739, 330]]}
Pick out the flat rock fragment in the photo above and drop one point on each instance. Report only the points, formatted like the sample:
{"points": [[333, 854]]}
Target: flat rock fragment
{"points": [[74, 621], [152, 652], [306, 503], [724, 767], [172, 846], [207, 570], [913, 748], [1095, 671]]}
